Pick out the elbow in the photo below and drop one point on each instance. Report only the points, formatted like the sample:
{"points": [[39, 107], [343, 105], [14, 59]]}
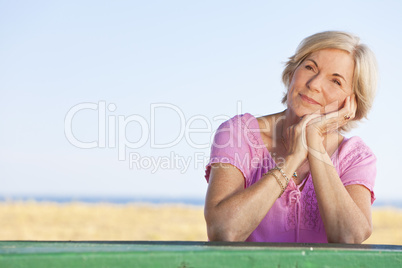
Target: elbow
{"points": [[219, 229], [352, 238], [219, 233]]}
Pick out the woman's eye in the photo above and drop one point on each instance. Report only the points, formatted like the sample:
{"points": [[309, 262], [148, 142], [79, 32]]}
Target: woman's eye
{"points": [[308, 67], [337, 82]]}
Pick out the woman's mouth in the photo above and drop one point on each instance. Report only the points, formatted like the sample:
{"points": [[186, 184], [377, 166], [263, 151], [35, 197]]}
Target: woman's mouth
{"points": [[308, 100]]}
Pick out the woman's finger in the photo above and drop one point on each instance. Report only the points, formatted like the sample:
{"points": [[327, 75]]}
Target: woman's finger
{"points": [[349, 110], [334, 120], [309, 119], [353, 106]]}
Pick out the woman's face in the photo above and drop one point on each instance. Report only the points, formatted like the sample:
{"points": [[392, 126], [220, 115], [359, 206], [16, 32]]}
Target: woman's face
{"points": [[323, 78]]}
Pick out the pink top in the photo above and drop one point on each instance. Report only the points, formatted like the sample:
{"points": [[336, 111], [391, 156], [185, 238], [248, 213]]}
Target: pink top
{"points": [[295, 216]]}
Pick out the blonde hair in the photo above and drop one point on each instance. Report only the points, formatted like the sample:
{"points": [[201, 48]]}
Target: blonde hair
{"points": [[364, 82]]}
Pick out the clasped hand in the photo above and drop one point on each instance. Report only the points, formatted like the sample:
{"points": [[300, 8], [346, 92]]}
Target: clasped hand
{"points": [[314, 128]]}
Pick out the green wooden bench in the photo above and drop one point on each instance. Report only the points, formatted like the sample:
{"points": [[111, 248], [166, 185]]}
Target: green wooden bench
{"points": [[193, 254]]}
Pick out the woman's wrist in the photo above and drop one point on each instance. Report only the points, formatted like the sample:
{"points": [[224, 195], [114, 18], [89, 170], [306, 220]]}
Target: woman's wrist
{"points": [[315, 142], [292, 163], [280, 179]]}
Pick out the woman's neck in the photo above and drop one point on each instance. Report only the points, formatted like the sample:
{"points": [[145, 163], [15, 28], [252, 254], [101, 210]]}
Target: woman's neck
{"points": [[289, 119]]}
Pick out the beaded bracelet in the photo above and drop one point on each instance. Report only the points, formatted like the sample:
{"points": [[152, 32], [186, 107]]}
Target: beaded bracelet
{"points": [[278, 180], [283, 174]]}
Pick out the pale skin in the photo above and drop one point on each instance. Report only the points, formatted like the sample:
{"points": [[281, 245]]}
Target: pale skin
{"points": [[320, 95]]}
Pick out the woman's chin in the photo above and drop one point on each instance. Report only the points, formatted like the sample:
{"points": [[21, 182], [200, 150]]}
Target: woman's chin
{"points": [[302, 111]]}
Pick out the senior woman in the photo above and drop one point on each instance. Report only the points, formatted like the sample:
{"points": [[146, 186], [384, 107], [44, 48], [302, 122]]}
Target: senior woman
{"points": [[292, 176]]}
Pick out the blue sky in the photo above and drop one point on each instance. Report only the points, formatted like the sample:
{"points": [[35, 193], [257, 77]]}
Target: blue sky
{"points": [[191, 63]]}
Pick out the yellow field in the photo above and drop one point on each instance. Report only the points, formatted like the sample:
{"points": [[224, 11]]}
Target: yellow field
{"points": [[80, 221]]}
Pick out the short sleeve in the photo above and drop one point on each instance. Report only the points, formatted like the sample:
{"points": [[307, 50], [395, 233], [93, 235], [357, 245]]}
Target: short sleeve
{"points": [[232, 144], [359, 165]]}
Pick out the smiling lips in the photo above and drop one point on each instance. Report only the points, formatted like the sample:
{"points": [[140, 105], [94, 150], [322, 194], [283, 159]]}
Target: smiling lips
{"points": [[309, 100]]}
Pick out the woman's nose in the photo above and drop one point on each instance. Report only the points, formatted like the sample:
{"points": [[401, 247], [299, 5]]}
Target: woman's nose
{"points": [[315, 83]]}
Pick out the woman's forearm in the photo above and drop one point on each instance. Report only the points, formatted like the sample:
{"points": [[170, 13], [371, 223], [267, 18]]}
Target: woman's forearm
{"points": [[236, 216], [344, 221]]}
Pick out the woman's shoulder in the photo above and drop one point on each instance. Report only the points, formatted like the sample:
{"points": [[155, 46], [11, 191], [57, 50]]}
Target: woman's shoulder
{"points": [[240, 123], [354, 143], [244, 119], [258, 130], [250, 121], [240, 131], [354, 148]]}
